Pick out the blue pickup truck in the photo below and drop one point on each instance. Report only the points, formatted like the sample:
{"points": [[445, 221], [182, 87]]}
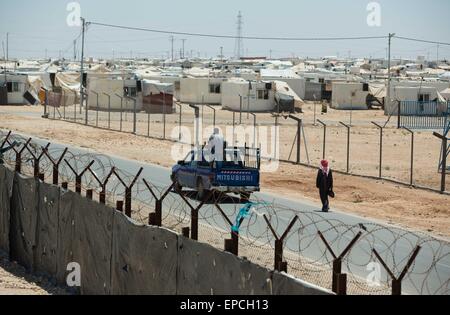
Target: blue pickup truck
{"points": [[238, 173]]}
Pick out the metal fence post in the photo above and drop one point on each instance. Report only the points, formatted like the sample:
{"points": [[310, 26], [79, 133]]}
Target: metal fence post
{"points": [[164, 115], [397, 281], [121, 110], [179, 122], [64, 109], [411, 178], [96, 118], [298, 136], [339, 285], [381, 147], [109, 110], [348, 144], [279, 264], [444, 159], [324, 137], [254, 129]]}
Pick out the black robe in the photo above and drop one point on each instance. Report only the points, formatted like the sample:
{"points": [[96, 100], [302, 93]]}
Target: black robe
{"points": [[325, 184]]}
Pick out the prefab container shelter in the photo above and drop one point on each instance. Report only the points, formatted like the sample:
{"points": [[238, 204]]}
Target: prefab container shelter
{"points": [[256, 96], [112, 87], [349, 95], [201, 90], [13, 87]]}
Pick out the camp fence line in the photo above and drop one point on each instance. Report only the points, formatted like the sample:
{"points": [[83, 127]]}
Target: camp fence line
{"points": [[321, 250], [296, 152]]}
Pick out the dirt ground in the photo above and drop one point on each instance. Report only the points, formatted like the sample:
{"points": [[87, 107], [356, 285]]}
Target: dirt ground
{"points": [[14, 280], [395, 204]]}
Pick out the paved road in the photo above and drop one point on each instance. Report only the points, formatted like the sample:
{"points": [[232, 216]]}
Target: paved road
{"points": [[159, 176]]}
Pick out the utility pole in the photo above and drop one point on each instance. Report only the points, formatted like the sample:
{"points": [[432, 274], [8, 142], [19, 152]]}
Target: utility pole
{"points": [[437, 56], [182, 56], [221, 53], [172, 39], [7, 46], [83, 21], [387, 102], [74, 50]]}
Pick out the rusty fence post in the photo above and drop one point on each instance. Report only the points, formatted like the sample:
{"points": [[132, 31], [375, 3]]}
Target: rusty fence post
{"points": [[339, 281], [232, 244], [397, 281], [119, 206], [103, 184], [18, 165], [128, 191], [37, 160], [78, 176], [279, 264], [56, 164], [6, 139], [156, 217], [194, 211]]}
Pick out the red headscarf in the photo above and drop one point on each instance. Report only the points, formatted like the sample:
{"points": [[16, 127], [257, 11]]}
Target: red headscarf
{"points": [[324, 166]]}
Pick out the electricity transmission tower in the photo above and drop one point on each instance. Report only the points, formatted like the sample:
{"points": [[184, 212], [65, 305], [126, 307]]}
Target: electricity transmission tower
{"points": [[239, 47]]}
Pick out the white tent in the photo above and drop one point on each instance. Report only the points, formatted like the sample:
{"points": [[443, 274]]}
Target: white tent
{"points": [[283, 89], [446, 94], [445, 76]]}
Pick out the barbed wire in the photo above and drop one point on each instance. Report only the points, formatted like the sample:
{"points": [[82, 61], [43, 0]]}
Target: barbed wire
{"points": [[310, 240]]}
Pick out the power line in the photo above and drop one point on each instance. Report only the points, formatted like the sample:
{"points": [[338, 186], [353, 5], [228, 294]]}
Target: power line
{"points": [[237, 37], [422, 40]]}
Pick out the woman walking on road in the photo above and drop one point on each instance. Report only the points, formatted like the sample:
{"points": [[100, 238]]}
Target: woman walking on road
{"points": [[324, 183]]}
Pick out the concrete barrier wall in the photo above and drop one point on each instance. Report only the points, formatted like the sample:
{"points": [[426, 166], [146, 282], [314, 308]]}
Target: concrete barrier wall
{"points": [[45, 228], [6, 182]]}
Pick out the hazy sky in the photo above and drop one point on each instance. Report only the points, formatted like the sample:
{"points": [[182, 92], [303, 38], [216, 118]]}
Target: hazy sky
{"points": [[35, 26]]}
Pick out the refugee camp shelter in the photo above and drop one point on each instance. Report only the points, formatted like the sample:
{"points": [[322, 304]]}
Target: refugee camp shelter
{"points": [[286, 99], [113, 87], [201, 90], [349, 95], [157, 97], [413, 91], [295, 82], [253, 96], [12, 89], [446, 94]]}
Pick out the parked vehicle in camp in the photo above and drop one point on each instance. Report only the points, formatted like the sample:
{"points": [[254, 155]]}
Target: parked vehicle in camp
{"points": [[238, 173]]}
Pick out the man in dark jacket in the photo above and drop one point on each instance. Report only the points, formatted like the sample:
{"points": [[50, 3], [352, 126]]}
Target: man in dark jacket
{"points": [[324, 183]]}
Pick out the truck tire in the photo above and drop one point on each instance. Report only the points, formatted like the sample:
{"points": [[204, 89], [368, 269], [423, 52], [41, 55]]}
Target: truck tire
{"points": [[201, 191], [177, 186]]}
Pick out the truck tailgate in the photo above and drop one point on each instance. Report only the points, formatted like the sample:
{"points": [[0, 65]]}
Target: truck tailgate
{"points": [[237, 178]]}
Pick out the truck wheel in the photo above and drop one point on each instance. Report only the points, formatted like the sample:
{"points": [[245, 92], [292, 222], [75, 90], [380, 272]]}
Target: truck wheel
{"points": [[201, 191], [178, 186]]}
